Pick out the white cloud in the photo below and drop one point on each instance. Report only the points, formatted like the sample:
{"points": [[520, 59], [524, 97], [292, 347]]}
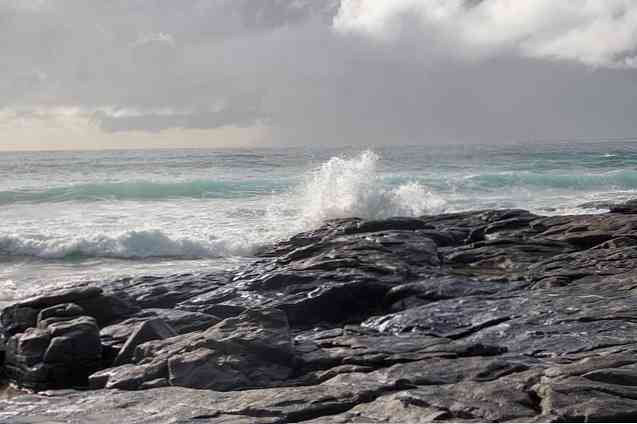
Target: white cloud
{"points": [[594, 32]]}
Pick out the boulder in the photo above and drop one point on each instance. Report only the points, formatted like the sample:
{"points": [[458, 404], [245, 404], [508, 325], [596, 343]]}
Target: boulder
{"points": [[61, 352], [105, 309]]}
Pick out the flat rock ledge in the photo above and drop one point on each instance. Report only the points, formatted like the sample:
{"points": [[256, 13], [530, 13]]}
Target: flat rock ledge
{"points": [[483, 316]]}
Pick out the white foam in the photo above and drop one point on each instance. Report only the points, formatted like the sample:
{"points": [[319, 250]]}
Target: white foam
{"points": [[353, 187], [127, 245]]}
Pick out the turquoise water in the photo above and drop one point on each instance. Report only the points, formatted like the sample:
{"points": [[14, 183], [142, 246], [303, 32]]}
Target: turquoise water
{"points": [[99, 215]]}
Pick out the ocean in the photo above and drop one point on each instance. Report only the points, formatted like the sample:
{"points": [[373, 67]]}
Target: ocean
{"points": [[102, 215]]}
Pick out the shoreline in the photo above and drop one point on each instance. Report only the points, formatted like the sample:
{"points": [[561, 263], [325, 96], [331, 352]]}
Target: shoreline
{"points": [[491, 315]]}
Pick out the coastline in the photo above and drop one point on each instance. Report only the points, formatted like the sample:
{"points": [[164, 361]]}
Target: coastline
{"points": [[491, 315]]}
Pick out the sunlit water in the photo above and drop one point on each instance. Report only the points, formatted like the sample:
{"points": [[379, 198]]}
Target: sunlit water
{"points": [[69, 216]]}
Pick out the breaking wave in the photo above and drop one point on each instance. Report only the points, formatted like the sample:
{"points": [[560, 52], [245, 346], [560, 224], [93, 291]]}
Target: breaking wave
{"points": [[353, 187], [143, 244]]}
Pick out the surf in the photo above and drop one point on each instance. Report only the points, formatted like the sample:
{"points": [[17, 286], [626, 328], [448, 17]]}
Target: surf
{"points": [[341, 187], [146, 190]]}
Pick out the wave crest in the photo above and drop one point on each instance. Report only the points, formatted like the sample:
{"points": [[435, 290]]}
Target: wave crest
{"points": [[142, 244]]}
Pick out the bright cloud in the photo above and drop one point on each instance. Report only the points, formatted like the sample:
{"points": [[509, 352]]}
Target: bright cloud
{"points": [[594, 32]]}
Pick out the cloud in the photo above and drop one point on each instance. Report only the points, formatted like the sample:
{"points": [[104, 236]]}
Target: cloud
{"points": [[593, 32], [162, 119], [319, 71]]}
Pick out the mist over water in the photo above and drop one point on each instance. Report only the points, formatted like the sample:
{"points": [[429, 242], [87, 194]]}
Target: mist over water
{"points": [[100, 215]]}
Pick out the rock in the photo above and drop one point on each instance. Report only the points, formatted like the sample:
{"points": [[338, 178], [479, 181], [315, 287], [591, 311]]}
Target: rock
{"points": [[61, 354], [597, 205], [418, 293], [504, 256], [182, 322], [481, 316], [598, 388], [328, 279], [165, 292], [17, 319], [58, 313], [629, 207], [153, 329], [253, 349], [104, 308]]}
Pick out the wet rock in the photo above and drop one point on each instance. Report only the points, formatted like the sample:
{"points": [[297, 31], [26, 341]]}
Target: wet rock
{"points": [[253, 349], [629, 207], [474, 316], [342, 277], [115, 335], [418, 293], [58, 313], [504, 256], [59, 353], [165, 292], [153, 329], [596, 389], [104, 308]]}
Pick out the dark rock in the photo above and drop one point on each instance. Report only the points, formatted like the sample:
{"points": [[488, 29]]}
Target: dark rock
{"points": [[66, 310], [167, 291], [152, 329], [253, 349], [397, 223], [58, 313], [17, 319], [182, 322], [504, 256], [597, 205], [337, 278], [60, 354], [629, 207], [104, 308], [596, 389], [473, 316], [410, 295]]}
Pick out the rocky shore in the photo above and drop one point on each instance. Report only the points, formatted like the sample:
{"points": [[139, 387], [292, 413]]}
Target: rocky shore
{"points": [[494, 315]]}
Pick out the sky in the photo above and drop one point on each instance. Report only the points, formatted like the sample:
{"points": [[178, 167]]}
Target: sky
{"points": [[88, 74]]}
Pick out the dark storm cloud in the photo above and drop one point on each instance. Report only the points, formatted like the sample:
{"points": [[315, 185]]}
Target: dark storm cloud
{"points": [[318, 71]]}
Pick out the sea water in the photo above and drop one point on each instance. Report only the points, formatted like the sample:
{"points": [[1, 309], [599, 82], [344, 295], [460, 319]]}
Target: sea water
{"points": [[74, 216]]}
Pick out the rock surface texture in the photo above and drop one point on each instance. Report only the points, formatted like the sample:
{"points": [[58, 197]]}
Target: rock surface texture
{"points": [[496, 315]]}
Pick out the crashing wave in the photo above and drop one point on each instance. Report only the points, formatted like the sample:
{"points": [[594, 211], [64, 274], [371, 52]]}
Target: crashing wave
{"points": [[142, 244], [353, 187]]}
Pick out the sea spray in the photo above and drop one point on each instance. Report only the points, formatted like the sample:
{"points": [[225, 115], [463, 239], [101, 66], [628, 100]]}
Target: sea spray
{"points": [[353, 187]]}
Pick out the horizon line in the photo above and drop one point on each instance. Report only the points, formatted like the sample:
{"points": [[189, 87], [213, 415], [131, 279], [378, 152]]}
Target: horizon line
{"points": [[543, 141]]}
